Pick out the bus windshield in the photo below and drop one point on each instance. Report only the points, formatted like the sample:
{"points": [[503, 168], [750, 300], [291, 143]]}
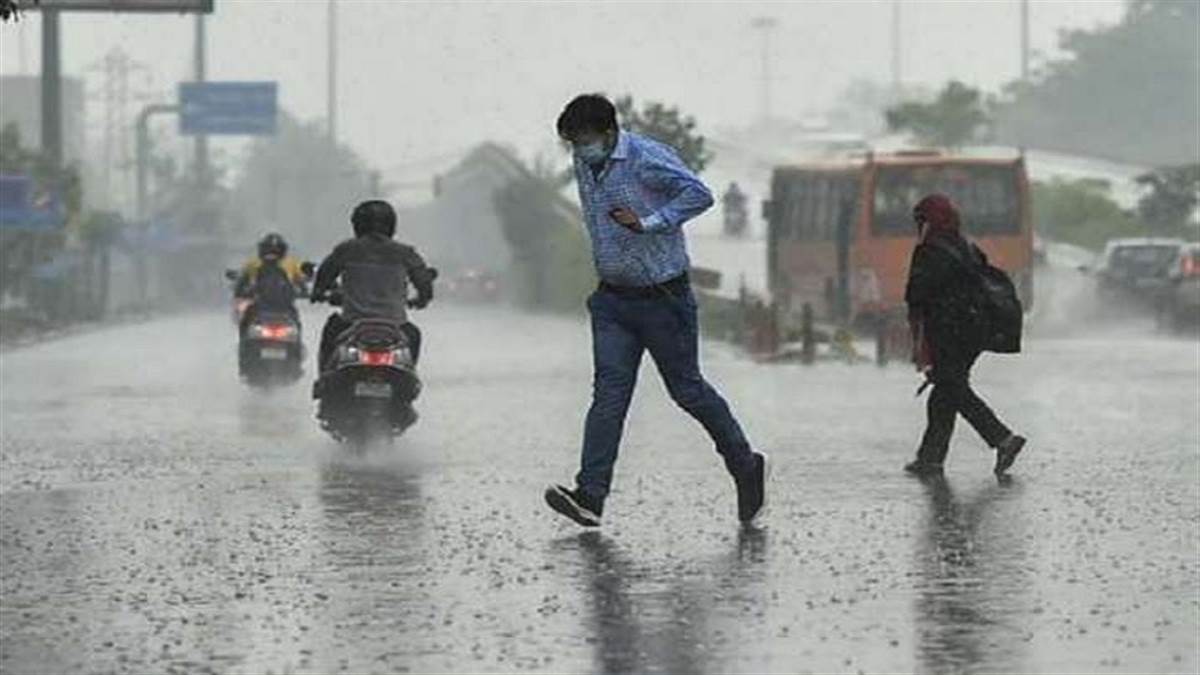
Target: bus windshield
{"points": [[986, 197]]}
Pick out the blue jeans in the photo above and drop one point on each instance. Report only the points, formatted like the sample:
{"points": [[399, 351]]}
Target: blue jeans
{"points": [[622, 328]]}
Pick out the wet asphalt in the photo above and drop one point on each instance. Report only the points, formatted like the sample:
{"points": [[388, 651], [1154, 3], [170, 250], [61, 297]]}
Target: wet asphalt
{"points": [[158, 516]]}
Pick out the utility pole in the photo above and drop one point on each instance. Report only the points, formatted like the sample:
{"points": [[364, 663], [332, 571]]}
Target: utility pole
{"points": [[331, 73], [897, 82], [765, 25], [51, 89], [201, 139]]}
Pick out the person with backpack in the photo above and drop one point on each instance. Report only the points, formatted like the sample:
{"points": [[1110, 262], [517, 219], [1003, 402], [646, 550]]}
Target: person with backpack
{"points": [[272, 280], [958, 307]]}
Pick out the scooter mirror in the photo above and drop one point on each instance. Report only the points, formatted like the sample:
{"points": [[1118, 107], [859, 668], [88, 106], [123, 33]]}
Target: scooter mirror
{"points": [[308, 268], [231, 275]]}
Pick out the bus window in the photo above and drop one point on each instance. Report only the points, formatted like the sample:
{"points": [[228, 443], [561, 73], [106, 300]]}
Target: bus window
{"points": [[814, 204], [986, 197]]}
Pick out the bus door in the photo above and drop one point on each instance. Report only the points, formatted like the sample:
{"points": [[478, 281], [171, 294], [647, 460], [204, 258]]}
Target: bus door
{"points": [[843, 235]]}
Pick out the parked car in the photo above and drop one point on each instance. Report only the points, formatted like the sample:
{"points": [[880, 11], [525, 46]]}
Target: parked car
{"points": [[1180, 305], [1136, 267]]}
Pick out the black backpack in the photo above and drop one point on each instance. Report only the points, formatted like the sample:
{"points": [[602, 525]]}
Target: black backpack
{"points": [[273, 290], [1001, 316]]}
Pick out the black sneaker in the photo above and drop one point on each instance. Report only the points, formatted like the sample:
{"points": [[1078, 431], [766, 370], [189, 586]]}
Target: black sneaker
{"points": [[752, 489], [920, 468], [1006, 453], [575, 505]]}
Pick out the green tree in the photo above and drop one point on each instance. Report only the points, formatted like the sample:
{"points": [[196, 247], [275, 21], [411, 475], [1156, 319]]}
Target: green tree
{"points": [[1080, 212], [1129, 91], [1174, 193], [953, 119], [666, 125], [550, 252], [10, 10], [300, 185]]}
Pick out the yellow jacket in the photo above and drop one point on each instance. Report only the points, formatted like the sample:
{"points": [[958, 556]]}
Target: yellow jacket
{"points": [[245, 283], [289, 265]]}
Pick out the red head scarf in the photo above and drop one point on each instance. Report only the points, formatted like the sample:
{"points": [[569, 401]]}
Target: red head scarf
{"points": [[939, 215]]}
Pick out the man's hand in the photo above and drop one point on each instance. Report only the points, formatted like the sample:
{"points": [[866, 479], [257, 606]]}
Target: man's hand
{"points": [[625, 217]]}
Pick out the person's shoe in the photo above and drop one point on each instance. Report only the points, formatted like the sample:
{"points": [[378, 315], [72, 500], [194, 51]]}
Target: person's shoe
{"points": [[921, 468], [752, 489], [575, 505], [1006, 453]]}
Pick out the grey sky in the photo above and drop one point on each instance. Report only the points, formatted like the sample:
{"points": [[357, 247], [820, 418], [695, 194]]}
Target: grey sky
{"points": [[420, 80]]}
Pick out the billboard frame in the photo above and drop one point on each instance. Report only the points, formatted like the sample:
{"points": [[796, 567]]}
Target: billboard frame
{"points": [[120, 6]]}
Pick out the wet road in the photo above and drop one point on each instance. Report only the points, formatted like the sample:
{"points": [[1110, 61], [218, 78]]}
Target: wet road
{"points": [[157, 516]]}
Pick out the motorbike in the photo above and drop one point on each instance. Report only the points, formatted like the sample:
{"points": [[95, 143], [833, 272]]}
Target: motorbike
{"points": [[367, 389], [270, 340]]}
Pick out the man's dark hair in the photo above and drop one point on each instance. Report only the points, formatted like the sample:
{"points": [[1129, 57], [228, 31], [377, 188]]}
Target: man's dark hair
{"points": [[587, 112]]}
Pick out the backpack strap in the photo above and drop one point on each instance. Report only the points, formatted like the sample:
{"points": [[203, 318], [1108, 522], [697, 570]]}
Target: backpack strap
{"points": [[974, 268]]}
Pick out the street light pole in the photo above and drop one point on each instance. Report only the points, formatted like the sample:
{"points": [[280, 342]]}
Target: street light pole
{"points": [[201, 140], [143, 152], [331, 72], [897, 74], [765, 25], [1024, 41]]}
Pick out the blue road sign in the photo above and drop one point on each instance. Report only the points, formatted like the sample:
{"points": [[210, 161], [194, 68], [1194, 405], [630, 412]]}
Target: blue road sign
{"points": [[24, 208], [240, 108]]}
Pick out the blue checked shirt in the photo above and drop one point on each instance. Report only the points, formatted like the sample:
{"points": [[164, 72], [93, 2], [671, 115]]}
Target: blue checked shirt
{"points": [[648, 178]]}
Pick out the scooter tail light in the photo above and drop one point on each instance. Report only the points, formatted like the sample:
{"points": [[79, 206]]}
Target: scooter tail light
{"points": [[276, 331], [377, 358]]}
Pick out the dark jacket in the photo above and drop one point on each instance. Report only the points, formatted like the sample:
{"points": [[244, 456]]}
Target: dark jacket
{"points": [[375, 272], [942, 293]]}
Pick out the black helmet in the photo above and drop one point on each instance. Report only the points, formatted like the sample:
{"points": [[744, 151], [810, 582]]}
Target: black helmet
{"points": [[272, 247], [374, 217]]}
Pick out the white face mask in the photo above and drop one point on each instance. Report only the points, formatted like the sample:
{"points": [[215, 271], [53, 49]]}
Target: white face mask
{"points": [[592, 154]]}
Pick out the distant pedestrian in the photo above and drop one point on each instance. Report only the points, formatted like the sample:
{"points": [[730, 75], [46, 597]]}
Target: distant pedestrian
{"points": [[636, 195], [735, 218], [943, 309]]}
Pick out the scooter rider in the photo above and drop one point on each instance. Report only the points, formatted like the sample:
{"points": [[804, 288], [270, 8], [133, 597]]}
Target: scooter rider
{"points": [[272, 280], [375, 271]]}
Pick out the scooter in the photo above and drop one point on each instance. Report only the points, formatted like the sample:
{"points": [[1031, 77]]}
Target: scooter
{"points": [[270, 340], [366, 391]]}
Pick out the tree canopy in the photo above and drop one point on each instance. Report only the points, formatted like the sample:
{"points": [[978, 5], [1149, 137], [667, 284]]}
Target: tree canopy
{"points": [[953, 119], [666, 125], [1129, 92]]}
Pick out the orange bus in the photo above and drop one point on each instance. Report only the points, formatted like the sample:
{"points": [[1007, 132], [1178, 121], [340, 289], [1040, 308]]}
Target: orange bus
{"points": [[840, 234]]}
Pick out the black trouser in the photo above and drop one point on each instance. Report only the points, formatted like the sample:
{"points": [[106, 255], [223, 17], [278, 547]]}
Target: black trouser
{"points": [[952, 395], [336, 324]]}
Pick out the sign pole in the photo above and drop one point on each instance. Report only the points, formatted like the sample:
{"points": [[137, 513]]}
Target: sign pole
{"points": [[51, 90], [201, 139]]}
